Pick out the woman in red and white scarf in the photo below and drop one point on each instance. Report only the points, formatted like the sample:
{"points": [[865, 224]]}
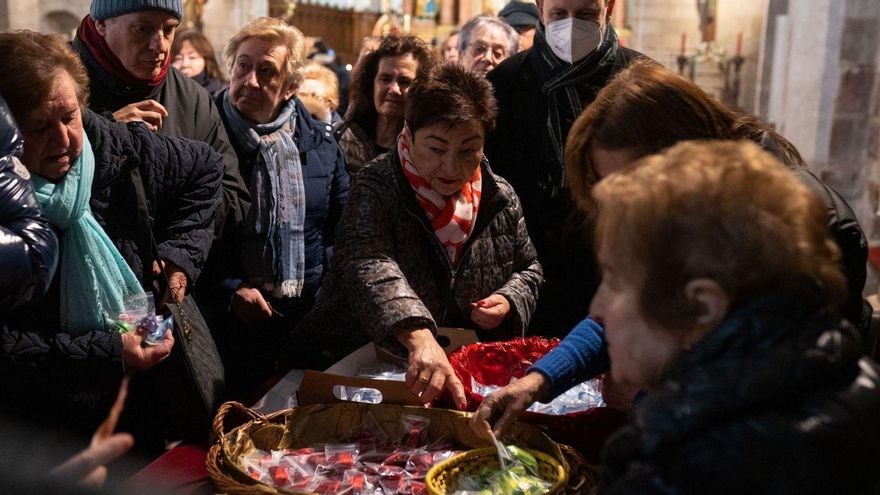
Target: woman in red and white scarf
{"points": [[430, 237]]}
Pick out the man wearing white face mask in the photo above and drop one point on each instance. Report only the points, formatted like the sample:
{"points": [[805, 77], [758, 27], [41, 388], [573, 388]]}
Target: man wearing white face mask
{"points": [[540, 92]]}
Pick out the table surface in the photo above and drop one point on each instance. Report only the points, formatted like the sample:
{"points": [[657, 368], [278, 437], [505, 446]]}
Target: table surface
{"points": [[181, 471]]}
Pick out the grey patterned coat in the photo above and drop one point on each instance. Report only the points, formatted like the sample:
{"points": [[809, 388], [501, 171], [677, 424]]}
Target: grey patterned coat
{"points": [[390, 273]]}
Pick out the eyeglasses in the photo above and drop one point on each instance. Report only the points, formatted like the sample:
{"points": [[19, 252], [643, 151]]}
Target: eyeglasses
{"points": [[312, 94], [478, 48]]}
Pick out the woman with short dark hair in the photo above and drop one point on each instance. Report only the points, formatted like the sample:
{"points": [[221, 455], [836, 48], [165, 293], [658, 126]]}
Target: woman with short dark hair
{"points": [[379, 89], [430, 237]]}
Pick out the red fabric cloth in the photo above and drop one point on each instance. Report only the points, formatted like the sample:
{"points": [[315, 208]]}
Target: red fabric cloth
{"points": [[96, 44], [452, 218], [495, 363], [179, 471]]}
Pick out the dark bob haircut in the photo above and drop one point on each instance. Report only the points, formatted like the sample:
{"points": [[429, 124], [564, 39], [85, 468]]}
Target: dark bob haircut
{"points": [[452, 95]]}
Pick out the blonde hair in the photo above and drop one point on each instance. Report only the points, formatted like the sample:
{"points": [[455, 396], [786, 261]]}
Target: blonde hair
{"points": [[725, 211], [275, 30], [318, 72]]}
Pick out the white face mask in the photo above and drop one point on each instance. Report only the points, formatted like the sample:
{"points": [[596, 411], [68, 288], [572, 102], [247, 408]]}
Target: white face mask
{"points": [[573, 39]]}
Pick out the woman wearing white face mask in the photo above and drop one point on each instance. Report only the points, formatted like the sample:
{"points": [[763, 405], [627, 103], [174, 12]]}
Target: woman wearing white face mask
{"points": [[540, 93]]}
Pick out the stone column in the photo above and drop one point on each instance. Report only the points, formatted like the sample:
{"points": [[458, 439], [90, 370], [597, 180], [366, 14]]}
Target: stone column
{"points": [[831, 83], [447, 12]]}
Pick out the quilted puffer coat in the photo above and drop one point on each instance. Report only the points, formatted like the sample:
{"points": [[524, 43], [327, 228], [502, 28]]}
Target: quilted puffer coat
{"points": [[390, 273], [28, 247], [73, 379]]}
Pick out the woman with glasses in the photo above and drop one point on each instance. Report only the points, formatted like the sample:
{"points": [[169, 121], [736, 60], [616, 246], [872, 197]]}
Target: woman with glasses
{"points": [[296, 175], [484, 42], [379, 89]]}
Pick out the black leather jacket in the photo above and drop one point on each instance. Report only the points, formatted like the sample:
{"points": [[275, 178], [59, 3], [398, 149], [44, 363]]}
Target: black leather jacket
{"points": [[28, 247]]}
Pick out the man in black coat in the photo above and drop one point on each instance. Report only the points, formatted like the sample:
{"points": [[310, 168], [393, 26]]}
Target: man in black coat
{"points": [[540, 92], [125, 46]]}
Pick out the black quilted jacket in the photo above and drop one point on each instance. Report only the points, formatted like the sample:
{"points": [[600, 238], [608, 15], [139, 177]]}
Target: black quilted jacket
{"points": [[74, 379], [774, 401], [390, 273]]}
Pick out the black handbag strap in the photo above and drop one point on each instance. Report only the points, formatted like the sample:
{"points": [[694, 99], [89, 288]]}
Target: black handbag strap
{"points": [[145, 221]]}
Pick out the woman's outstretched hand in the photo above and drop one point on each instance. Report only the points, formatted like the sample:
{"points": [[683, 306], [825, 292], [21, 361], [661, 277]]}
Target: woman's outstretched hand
{"points": [[429, 371]]}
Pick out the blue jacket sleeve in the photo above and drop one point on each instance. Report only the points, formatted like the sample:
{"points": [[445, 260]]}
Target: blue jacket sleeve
{"points": [[580, 356]]}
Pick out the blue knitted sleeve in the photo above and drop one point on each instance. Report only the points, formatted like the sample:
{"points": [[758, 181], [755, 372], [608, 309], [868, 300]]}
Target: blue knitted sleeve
{"points": [[580, 356]]}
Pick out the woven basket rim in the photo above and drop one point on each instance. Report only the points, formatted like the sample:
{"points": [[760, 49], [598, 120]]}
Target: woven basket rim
{"points": [[483, 452]]}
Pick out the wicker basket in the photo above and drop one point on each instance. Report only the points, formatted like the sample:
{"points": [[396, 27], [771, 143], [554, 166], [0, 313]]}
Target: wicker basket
{"points": [[235, 422], [447, 473], [215, 463]]}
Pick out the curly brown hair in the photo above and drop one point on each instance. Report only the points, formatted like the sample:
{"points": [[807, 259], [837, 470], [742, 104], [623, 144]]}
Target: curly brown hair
{"points": [[30, 63], [360, 108]]}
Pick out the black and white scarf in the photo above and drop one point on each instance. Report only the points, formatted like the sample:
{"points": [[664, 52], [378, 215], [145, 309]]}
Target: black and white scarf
{"points": [[569, 88]]}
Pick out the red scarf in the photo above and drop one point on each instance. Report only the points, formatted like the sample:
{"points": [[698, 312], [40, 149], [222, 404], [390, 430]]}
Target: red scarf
{"points": [[452, 218], [97, 45]]}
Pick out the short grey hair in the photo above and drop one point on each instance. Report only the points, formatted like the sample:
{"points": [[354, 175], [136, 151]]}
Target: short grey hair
{"points": [[278, 31], [480, 22]]}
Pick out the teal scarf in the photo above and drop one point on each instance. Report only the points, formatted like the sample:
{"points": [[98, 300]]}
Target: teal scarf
{"points": [[95, 280]]}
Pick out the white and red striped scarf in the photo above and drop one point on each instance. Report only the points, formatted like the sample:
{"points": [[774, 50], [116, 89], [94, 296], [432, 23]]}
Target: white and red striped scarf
{"points": [[452, 218]]}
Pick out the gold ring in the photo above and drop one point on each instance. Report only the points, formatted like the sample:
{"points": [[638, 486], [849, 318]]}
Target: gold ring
{"points": [[424, 379]]}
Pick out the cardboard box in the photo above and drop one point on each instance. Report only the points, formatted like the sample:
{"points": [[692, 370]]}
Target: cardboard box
{"points": [[317, 387]]}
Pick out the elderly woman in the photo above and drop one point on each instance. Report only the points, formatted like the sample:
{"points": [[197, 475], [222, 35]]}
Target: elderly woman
{"points": [[296, 175], [644, 110], [193, 55], [484, 42], [430, 237], [81, 166], [755, 384], [379, 89], [319, 92]]}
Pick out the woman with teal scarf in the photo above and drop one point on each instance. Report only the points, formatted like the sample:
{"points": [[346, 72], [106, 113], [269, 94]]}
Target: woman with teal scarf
{"points": [[80, 166]]}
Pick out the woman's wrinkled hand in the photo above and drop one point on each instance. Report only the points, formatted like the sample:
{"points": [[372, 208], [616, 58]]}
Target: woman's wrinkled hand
{"points": [[177, 282], [502, 407], [249, 305], [88, 468], [150, 112], [488, 313], [137, 357], [429, 371]]}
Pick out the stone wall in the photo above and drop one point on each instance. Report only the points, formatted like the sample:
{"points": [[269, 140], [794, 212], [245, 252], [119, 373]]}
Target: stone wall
{"points": [[656, 27]]}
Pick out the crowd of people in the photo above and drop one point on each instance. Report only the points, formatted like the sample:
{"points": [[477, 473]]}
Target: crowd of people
{"points": [[528, 176]]}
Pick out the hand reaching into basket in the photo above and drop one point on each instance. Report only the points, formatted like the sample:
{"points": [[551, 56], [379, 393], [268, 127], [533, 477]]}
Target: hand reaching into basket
{"points": [[429, 371], [88, 468], [504, 406]]}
